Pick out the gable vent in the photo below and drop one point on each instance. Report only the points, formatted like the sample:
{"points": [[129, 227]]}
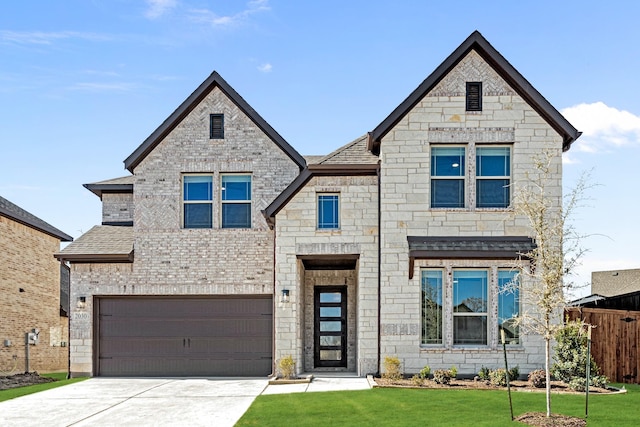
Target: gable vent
{"points": [[474, 96], [217, 126]]}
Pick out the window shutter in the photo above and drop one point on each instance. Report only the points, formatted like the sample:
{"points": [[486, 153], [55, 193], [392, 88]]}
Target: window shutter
{"points": [[217, 126], [474, 96]]}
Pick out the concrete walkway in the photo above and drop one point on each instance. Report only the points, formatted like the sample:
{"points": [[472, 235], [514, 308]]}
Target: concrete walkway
{"points": [[219, 402]]}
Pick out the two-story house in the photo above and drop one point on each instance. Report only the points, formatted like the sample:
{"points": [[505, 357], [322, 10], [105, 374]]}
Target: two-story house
{"points": [[226, 250]]}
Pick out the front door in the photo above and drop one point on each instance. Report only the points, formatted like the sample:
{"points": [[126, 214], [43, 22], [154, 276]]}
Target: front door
{"points": [[330, 324]]}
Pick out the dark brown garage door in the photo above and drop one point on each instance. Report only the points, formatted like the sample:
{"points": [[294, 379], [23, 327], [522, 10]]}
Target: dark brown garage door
{"points": [[145, 336]]}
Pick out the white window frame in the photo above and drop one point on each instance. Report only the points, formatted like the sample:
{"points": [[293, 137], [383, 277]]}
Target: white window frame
{"points": [[493, 177], [194, 202], [224, 202]]}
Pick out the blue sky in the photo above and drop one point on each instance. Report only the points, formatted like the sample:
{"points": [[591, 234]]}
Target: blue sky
{"points": [[84, 82]]}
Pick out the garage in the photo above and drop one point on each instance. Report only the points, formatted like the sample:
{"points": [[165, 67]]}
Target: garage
{"points": [[197, 336]]}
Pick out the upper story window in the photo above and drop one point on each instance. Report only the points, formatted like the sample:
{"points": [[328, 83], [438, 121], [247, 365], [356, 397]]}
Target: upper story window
{"points": [[216, 126], [447, 177], [509, 304], [470, 302], [493, 177], [236, 201], [431, 301], [197, 201], [474, 96], [328, 211]]}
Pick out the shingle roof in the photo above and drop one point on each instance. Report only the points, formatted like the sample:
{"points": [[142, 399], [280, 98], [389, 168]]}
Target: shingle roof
{"points": [[354, 152], [16, 213], [103, 243], [214, 80], [115, 185], [478, 43]]}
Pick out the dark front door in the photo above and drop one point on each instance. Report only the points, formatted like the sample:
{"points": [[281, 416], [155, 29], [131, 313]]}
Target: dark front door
{"points": [[330, 320]]}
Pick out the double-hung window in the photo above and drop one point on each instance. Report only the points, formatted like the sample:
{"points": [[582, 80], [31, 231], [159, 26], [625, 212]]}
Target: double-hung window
{"points": [[470, 301], [328, 211], [447, 177], [493, 177], [197, 201], [431, 301], [509, 304], [236, 201]]}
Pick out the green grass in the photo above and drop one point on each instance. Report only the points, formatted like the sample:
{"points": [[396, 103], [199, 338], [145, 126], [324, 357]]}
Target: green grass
{"points": [[61, 379], [410, 407]]}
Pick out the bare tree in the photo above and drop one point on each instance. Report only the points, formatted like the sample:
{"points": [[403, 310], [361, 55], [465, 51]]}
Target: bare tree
{"points": [[545, 271]]}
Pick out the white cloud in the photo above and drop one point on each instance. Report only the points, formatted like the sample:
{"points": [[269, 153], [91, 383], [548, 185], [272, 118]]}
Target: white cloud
{"points": [[157, 8], [46, 38], [265, 68], [209, 17], [603, 127]]}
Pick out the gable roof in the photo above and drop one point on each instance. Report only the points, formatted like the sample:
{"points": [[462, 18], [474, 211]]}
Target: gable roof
{"points": [[214, 80], [349, 160], [116, 185], [16, 213], [522, 87]]}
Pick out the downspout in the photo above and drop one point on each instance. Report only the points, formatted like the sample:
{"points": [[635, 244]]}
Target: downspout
{"points": [[275, 296], [379, 268]]}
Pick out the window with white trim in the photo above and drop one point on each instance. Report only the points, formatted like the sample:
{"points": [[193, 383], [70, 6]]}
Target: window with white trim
{"points": [[493, 176], [432, 305], [236, 201], [328, 211], [447, 177], [509, 304], [197, 201], [470, 302]]}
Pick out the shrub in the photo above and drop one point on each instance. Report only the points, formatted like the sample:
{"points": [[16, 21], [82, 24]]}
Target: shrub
{"points": [[538, 378], [483, 374], [425, 372], [453, 371], [392, 368], [498, 377], [417, 380], [442, 376], [287, 367], [514, 373]]}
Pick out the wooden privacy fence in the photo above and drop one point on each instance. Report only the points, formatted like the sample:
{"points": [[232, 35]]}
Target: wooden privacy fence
{"points": [[614, 341]]}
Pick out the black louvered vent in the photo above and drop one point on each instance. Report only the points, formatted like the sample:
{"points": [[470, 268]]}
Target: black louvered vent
{"points": [[217, 126], [474, 96]]}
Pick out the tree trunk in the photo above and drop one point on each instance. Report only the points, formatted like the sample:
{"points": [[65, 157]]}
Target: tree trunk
{"points": [[547, 354]]}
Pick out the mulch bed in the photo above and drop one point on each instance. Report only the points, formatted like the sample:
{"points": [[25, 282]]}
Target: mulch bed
{"points": [[21, 380]]}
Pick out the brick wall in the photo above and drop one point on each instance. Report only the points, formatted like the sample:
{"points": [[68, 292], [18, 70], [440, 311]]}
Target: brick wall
{"points": [[27, 262], [171, 260], [117, 207], [440, 117]]}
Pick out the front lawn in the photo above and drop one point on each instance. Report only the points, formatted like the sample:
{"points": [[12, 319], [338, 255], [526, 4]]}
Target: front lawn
{"points": [[411, 407], [61, 379]]}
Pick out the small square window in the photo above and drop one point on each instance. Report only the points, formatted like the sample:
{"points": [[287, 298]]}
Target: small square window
{"points": [[216, 126], [474, 96], [328, 211]]}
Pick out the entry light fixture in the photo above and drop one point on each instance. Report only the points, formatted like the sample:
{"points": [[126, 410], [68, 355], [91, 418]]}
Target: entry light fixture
{"points": [[82, 302], [285, 295]]}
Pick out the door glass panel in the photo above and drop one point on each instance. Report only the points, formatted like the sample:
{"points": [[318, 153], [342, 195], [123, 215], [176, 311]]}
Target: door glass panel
{"points": [[330, 326], [330, 297], [330, 340], [330, 311], [330, 355]]}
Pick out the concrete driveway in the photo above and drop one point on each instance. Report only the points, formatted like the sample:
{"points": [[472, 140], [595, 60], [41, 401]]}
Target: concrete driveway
{"points": [[136, 402]]}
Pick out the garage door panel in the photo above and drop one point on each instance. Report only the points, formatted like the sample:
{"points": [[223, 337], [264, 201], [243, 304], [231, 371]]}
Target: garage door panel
{"points": [[185, 336]]}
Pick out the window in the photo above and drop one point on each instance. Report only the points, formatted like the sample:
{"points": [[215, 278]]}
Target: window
{"points": [[509, 304], [197, 196], [328, 211], [236, 201], [431, 306], [216, 126], [470, 298], [493, 172], [474, 96], [447, 177]]}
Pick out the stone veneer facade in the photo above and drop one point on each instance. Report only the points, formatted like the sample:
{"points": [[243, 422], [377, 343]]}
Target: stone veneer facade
{"points": [[440, 117], [27, 263], [172, 260]]}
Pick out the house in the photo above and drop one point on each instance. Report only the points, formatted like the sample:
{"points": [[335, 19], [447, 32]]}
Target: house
{"points": [[615, 282], [33, 289], [226, 250]]}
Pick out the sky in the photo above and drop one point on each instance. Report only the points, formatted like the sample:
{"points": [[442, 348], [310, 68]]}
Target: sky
{"points": [[84, 82]]}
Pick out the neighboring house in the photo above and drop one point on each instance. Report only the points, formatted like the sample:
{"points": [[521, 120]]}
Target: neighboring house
{"points": [[226, 251], [33, 286], [615, 282]]}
